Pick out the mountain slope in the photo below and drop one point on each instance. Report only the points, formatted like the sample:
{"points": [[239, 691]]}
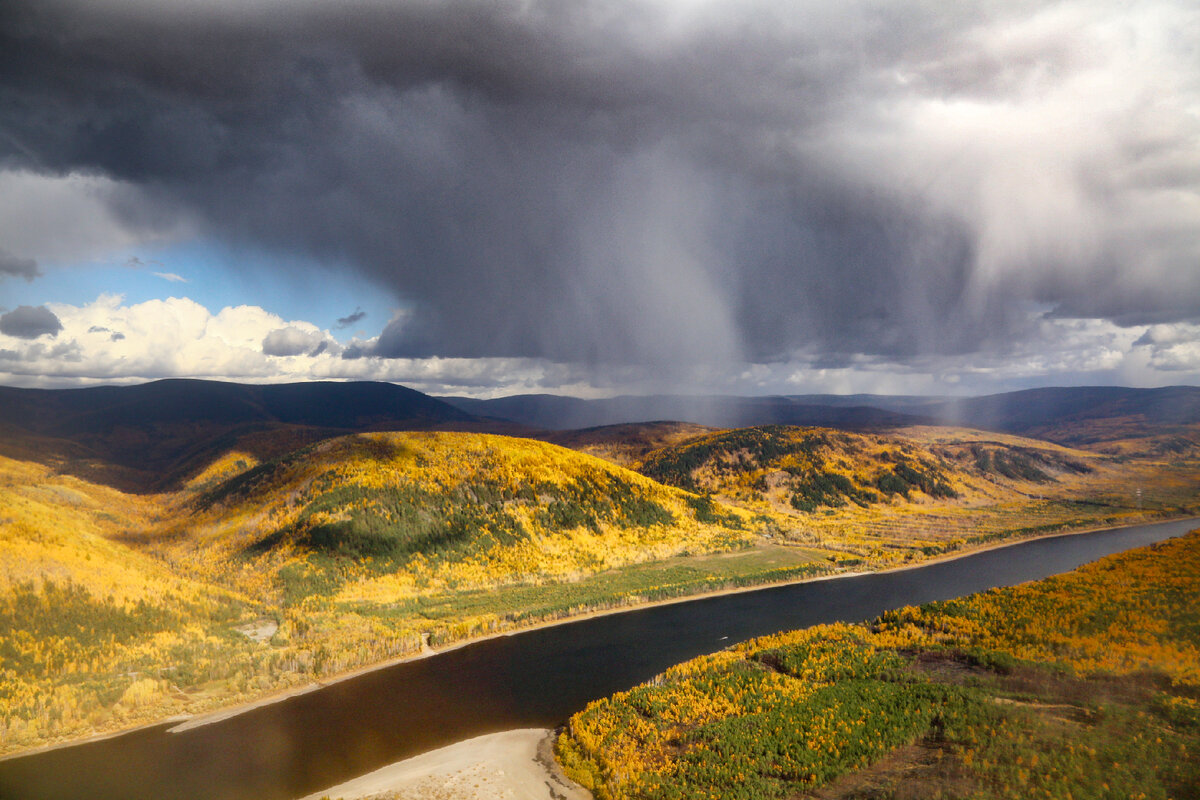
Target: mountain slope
{"points": [[154, 435], [437, 509], [74, 412], [804, 468], [1162, 419], [94, 629], [564, 413], [627, 444], [922, 490]]}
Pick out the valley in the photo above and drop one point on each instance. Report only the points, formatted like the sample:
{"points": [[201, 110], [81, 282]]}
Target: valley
{"points": [[275, 551]]}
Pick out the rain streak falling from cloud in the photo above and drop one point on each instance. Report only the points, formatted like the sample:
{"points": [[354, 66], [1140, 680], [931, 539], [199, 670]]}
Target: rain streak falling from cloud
{"points": [[626, 183]]}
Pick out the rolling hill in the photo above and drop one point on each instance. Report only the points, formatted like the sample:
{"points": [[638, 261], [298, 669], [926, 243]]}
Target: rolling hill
{"points": [[627, 444], [792, 469], [184, 545], [448, 509], [256, 575], [880, 498], [800, 468], [1088, 416], [153, 436]]}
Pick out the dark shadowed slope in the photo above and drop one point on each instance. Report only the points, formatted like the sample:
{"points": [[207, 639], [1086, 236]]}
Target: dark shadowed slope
{"points": [[151, 435], [71, 412], [565, 413], [1079, 415], [1075, 416], [629, 443]]}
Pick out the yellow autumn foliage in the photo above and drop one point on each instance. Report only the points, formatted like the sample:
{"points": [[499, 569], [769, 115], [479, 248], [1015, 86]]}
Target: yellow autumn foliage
{"points": [[779, 715]]}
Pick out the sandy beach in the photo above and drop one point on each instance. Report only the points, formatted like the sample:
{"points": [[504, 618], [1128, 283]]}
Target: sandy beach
{"points": [[511, 765]]}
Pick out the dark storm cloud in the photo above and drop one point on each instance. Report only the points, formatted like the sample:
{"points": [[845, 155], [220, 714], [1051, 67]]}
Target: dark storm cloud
{"points": [[347, 321], [30, 322], [632, 182], [13, 267]]}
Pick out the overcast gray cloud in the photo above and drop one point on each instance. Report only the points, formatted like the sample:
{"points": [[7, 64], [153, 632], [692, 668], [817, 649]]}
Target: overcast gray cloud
{"points": [[651, 183], [13, 267], [350, 319], [30, 322]]}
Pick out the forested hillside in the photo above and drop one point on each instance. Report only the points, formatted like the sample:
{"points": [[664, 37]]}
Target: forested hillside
{"points": [[257, 576], [288, 555], [1083, 685], [804, 468], [467, 511]]}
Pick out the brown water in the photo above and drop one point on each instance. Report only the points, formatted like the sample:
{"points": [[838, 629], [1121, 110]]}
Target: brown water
{"points": [[533, 679]]}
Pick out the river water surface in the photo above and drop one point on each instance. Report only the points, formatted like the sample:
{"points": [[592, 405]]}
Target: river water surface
{"points": [[534, 679]]}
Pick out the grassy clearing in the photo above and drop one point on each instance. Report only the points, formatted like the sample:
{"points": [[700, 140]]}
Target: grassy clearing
{"points": [[675, 577]]}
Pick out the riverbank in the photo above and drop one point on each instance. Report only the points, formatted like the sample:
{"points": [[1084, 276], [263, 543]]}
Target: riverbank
{"points": [[1079, 685], [185, 724], [285, 750], [511, 765], [226, 713]]}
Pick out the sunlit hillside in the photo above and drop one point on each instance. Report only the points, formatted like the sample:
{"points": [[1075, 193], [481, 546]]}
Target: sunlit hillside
{"points": [[1083, 685], [802, 469], [96, 633], [887, 498], [436, 510], [257, 576], [271, 567]]}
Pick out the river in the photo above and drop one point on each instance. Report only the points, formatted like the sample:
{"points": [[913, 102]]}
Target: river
{"points": [[537, 678]]}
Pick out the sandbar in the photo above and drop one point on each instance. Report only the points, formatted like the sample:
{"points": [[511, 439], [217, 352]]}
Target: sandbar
{"points": [[510, 765]]}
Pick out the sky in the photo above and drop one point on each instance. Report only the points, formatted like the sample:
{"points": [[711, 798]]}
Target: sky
{"points": [[598, 197]]}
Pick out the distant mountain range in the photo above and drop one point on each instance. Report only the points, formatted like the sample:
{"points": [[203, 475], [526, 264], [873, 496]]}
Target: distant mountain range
{"points": [[324, 404], [554, 412], [1059, 414], [153, 435], [1074, 415]]}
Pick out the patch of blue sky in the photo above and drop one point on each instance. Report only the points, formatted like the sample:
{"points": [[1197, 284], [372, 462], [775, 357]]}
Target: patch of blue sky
{"points": [[215, 277]]}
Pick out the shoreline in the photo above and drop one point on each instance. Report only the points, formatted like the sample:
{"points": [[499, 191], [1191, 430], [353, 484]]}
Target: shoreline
{"points": [[182, 723], [515, 765]]}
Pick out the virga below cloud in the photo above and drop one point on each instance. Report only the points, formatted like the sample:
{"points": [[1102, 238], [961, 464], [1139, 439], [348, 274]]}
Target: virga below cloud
{"points": [[651, 183]]}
